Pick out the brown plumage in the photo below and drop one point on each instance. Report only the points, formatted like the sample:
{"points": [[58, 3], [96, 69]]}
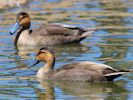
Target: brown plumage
{"points": [[78, 71], [46, 34]]}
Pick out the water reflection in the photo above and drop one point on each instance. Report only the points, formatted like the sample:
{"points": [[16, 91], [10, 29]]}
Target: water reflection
{"points": [[81, 90], [59, 50]]}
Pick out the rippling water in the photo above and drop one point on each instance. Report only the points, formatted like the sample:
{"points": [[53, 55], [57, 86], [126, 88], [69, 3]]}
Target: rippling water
{"points": [[112, 44]]}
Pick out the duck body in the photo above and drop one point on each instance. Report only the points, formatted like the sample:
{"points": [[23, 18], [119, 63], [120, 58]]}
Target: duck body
{"points": [[50, 36], [46, 34], [78, 71]]}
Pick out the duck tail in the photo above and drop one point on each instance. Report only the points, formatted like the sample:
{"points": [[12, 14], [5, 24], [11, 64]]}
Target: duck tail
{"points": [[112, 76], [126, 70], [86, 34]]}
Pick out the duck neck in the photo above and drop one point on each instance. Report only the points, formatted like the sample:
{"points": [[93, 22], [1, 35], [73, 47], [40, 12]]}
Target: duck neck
{"points": [[44, 71], [19, 32], [49, 66]]}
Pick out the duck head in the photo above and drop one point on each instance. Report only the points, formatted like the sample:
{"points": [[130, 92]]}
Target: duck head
{"points": [[44, 55], [22, 22]]}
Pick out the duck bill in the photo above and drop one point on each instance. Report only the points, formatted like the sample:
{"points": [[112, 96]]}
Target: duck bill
{"points": [[35, 63], [15, 28]]}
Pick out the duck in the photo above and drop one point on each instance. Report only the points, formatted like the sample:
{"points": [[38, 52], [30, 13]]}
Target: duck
{"points": [[47, 34], [77, 71]]}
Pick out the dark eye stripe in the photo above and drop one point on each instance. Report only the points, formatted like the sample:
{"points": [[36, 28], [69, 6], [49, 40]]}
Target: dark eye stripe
{"points": [[22, 17], [40, 52]]}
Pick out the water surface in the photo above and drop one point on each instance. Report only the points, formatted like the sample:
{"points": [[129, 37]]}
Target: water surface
{"points": [[112, 44]]}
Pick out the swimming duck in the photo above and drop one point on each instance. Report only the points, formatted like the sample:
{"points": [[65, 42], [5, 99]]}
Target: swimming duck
{"points": [[46, 34], [78, 71]]}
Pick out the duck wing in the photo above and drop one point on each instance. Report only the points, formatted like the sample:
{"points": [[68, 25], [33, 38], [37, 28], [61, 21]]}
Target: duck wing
{"points": [[61, 29], [91, 66], [84, 71], [89, 71]]}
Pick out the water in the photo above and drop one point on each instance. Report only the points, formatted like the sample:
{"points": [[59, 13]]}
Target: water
{"points": [[112, 44]]}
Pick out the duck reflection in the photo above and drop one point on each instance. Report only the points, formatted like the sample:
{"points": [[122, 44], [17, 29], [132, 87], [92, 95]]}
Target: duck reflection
{"points": [[71, 49], [49, 93], [81, 90]]}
